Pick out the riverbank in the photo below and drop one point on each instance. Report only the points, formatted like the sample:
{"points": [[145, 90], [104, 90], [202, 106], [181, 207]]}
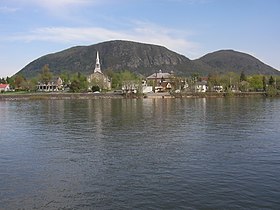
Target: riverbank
{"points": [[220, 95], [65, 96], [55, 96]]}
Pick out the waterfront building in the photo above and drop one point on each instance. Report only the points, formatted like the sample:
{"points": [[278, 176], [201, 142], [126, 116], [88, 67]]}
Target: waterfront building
{"points": [[4, 87], [201, 87], [161, 81], [52, 86]]}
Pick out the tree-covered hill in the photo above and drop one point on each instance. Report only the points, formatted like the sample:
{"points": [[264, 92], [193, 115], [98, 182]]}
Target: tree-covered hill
{"points": [[143, 59], [233, 61]]}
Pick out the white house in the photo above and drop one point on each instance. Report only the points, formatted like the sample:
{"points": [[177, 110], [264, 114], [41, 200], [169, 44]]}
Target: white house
{"points": [[146, 88], [4, 87], [218, 88], [201, 87]]}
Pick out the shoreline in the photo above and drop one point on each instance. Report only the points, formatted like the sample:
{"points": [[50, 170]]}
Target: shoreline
{"points": [[72, 96], [54, 96]]}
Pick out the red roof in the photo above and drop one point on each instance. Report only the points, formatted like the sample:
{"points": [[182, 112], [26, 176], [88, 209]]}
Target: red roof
{"points": [[3, 85]]}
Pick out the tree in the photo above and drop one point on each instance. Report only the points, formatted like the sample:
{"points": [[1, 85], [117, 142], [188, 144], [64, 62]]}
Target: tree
{"points": [[194, 77], [212, 80], [75, 86], [277, 83], [178, 83], [271, 81], [3, 81], [124, 79], [46, 75], [264, 83], [19, 82], [244, 86], [79, 83], [271, 91], [83, 82], [256, 82], [9, 80], [243, 77], [129, 80], [230, 81], [116, 81], [65, 77], [109, 73]]}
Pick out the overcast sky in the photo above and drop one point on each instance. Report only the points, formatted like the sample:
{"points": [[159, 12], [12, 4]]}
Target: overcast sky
{"points": [[33, 28]]}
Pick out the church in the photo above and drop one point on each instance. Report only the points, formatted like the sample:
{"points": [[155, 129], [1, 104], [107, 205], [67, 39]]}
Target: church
{"points": [[97, 78]]}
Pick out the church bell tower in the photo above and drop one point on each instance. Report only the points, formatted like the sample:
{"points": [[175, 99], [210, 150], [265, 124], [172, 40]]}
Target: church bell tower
{"points": [[97, 64]]}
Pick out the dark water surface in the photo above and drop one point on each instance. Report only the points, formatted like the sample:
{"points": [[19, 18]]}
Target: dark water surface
{"points": [[140, 154]]}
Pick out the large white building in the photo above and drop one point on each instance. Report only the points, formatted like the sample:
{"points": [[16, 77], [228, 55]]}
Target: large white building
{"points": [[161, 81], [52, 86]]}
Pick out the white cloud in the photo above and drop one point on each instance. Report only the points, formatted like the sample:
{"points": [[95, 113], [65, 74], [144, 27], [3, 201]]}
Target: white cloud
{"points": [[54, 4], [69, 10], [173, 39], [190, 1], [58, 4], [141, 32], [54, 7], [6, 9]]}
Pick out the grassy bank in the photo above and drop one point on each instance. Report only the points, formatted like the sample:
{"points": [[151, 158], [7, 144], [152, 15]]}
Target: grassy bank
{"points": [[65, 96], [219, 95], [55, 96]]}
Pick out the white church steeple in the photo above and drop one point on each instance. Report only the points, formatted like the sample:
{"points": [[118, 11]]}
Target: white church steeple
{"points": [[97, 64]]}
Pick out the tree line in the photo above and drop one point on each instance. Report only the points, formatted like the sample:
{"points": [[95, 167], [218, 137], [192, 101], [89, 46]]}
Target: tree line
{"points": [[244, 83], [77, 82]]}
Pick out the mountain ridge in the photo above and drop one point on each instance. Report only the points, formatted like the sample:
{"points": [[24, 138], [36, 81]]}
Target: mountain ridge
{"points": [[144, 59], [234, 60]]}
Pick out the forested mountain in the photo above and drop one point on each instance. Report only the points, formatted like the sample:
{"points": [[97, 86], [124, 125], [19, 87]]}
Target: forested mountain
{"points": [[144, 59], [232, 61]]}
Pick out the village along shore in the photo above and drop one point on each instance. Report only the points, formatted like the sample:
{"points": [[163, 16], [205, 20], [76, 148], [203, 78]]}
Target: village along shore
{"points": [[129, 85]]}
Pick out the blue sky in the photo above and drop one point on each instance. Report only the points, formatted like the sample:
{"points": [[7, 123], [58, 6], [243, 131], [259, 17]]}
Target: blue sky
{"points": [[33, 28]]}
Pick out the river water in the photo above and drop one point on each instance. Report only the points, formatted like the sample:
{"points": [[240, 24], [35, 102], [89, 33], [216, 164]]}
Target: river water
{"points": [[140, 154]]}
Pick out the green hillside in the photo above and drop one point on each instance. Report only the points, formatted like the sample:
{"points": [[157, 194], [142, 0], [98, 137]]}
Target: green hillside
{"points": [[144, 59]]}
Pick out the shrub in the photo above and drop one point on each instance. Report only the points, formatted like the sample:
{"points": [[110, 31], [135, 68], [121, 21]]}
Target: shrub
{"points": [[271, 91]]}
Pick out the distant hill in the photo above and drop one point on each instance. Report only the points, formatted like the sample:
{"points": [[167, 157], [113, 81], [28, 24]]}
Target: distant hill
{"points": [[144, 59], [232, 61]]}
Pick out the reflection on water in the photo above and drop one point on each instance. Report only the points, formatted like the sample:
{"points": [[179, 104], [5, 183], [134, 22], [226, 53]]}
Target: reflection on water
{"points": [[150, 153]]}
